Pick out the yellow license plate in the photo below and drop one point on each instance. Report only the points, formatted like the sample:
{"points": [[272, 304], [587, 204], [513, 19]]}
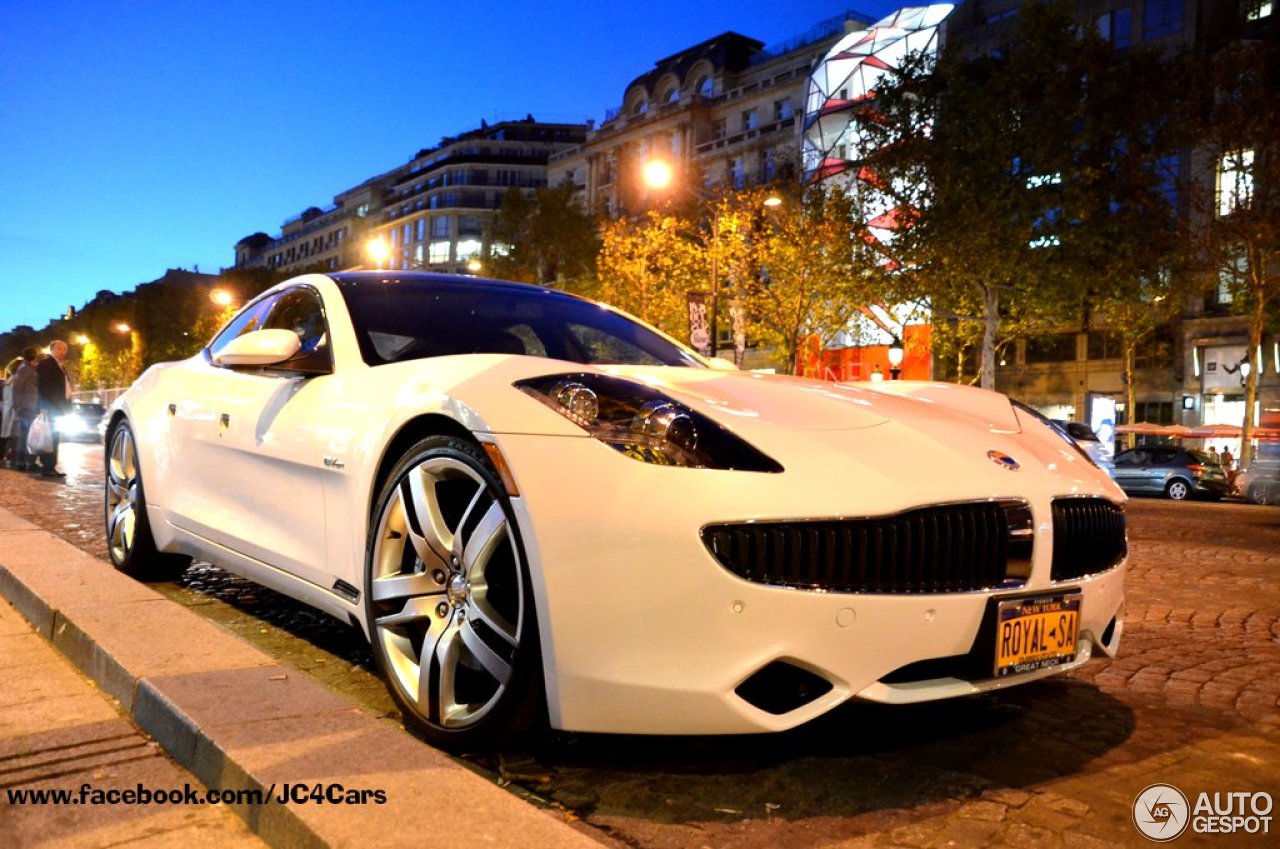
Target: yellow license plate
{"points": [[1036, 633]]}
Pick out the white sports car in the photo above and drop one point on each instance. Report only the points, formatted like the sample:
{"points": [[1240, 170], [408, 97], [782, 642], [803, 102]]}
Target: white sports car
{"points": [[541, 510]]}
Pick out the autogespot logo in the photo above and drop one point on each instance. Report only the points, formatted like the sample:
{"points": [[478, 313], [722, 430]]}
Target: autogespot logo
{"points": [[1161, 812]]}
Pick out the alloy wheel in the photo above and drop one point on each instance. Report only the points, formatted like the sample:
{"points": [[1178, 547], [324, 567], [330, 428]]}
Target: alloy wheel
{"points": [[122, 495], [446, 591]]}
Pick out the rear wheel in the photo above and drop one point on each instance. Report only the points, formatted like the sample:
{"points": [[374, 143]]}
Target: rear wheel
{"points": [[1177, 489], [449, 600], [129, 540], [1261, 492]]}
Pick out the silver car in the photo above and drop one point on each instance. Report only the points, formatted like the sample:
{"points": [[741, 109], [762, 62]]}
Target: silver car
{"points": [[1088, 442], [1170, 470]]}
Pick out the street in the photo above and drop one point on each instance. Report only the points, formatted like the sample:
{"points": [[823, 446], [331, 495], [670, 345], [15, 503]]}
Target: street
{"points": [[1192, 701]]}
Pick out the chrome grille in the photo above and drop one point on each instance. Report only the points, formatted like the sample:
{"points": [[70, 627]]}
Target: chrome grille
{"points": [[1088, 537], [941, 549]]}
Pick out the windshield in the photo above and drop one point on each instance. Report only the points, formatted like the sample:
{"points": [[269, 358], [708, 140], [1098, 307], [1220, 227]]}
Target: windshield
{"points": [[417, 317]]}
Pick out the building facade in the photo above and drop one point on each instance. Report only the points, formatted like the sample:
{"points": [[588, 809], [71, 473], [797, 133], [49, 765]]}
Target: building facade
{"points": [[433, 212], [725, 112]]}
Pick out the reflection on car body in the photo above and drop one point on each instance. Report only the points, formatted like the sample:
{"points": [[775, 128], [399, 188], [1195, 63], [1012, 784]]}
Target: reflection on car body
{"points": [[541, 510]]}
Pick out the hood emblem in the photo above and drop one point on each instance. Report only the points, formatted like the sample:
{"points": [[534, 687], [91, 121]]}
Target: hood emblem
{"points": [[1003, 460]]}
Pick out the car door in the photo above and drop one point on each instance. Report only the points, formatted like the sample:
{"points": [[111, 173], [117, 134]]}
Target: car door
{"points": [[253, 445], [1131, 474]]}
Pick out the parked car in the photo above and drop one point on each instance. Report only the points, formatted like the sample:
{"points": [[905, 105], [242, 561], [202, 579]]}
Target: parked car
{"points": [[1259, 483], [539, 509], [81, 424], [1082, 435], [1170, 470]]}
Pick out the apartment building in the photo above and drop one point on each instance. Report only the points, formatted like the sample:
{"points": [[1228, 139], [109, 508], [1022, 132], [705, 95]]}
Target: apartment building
{"points": [[433, 212], [726, 111]]}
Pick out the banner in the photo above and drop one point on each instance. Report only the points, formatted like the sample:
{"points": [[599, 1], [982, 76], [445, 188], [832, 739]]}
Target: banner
{"points": [[699, 327]]}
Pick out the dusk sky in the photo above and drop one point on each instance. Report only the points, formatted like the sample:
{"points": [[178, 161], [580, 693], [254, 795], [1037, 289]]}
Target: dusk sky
{"points": [[141, 136]]}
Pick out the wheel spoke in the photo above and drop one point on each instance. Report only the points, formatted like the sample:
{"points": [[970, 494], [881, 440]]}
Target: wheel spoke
{"points": [[444, 660], [491, 530], [415, 610], [431, 538], [494, 664], [479, 610], [392, 587]]}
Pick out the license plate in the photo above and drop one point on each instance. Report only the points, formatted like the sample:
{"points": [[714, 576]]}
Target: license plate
{"points": [[1036, 633]]}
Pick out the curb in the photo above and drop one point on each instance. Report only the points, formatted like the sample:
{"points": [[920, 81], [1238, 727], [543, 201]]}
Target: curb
{"points": [[238, 720]]}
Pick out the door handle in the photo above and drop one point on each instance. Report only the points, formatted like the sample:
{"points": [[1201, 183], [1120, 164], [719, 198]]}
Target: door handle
{"points": [[173, 409]]}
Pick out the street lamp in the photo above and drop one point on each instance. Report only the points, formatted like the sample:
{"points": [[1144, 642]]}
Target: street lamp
{"points": [[895, 359], [377, 250], [474, 265], [121, 327], [221, 297], [80, 339]]}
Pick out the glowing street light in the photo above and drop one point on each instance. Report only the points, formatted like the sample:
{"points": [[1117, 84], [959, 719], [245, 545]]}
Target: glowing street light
{"points": [[657, 174], [80, 339], [121, 327], [378, 251], [221, 297], [474, 265], [895, 359]]}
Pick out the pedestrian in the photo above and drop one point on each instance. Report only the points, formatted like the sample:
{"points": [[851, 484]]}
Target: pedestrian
{"points": [[1213, 455], [55, 399], [26, 404], [6, 411], [1227, 459]]}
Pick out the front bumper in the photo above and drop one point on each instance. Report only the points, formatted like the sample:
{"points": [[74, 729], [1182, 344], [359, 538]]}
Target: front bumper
{"points": [[643, 631]]}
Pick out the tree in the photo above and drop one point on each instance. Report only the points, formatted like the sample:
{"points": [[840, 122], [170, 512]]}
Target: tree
{"points": [[547, 239], [648, 266], [797, 266], [985, 163], [1241, 236]]}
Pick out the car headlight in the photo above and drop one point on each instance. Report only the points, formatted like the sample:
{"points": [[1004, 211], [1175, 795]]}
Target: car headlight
{"points": [[644, 424], [69, 424]]}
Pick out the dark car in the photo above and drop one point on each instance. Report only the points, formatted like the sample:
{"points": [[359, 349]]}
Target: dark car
{"points": [[81, 424], [1169, 470]]}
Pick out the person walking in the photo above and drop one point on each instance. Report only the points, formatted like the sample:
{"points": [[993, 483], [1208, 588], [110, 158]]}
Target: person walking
{"points": [[6, 410], [55, 399], [26, 404]]}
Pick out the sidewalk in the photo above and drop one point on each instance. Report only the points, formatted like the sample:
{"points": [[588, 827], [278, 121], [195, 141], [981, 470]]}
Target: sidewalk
{"points": [[223, 710]]}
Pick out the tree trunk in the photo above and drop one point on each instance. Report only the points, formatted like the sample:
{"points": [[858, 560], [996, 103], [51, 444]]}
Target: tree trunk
{"points": [[990, 324], [1257, 324], [1130, 394]]}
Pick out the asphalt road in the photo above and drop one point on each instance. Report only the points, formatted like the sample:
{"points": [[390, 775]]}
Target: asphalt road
{"points": [[1192, 701]]}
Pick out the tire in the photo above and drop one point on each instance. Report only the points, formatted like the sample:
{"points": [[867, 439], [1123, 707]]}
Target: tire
{"points": [[1260, 492], [449, 600], [1178, 489], [129, 540]]}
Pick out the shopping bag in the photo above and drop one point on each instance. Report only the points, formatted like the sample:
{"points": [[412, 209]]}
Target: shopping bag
{"points": [[40, 437]]}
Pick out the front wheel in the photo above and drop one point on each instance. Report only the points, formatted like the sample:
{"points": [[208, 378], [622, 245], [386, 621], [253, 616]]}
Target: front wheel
{"points": [[1178, 490], [449, 599], [1260, 492], [129, 540]]}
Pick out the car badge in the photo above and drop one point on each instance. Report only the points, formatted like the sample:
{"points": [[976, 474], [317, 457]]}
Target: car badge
{"points": [[1003, 460]]}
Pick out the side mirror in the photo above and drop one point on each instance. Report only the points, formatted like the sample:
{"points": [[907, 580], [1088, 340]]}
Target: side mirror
{"points": [[259, 348], [721, 364]]}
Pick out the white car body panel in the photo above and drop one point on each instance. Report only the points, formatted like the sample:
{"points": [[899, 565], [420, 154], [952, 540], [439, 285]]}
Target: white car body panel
{"points": [[642, 630]]}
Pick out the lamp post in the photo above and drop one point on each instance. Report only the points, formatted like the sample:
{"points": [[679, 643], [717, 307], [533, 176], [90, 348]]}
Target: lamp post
{"points": [[895, 359], [221, 297]]}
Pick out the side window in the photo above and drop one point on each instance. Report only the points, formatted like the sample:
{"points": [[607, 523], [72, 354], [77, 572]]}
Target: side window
{"points": [[1162, 458], [250, 319], [300, 310]]}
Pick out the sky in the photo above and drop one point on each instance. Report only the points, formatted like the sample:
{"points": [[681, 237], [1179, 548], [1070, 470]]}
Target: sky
{"points": [[141, 136]]}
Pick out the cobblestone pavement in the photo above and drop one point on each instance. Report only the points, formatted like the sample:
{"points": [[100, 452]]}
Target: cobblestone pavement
{"points": [[1193, 700]]}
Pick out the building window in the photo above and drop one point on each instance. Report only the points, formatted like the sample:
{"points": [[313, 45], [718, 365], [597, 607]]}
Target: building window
{"points": [[673, 96], [782, 110], [468, 248], [440, 227], [1161, 18], [1116, 26], [438, 252], [718, 128], [769, 167], [1259, 9], [750, 119], [1235, 181], [1052, 348], [470, 225], [706, 87], [738, 175], [1168, 172], [421, 232]]}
